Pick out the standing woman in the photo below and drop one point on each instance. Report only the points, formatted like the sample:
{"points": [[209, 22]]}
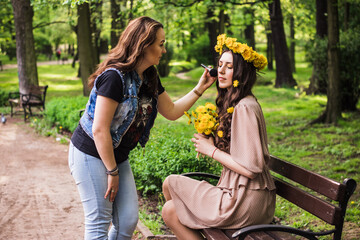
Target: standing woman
{"points": [[125, 98], [245, 193]]}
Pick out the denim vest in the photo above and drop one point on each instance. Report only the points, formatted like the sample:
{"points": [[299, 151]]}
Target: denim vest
{"points": [[125, 112]]}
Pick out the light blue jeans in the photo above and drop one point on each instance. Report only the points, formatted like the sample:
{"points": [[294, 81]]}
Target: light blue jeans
{"points": [[90, 177]]}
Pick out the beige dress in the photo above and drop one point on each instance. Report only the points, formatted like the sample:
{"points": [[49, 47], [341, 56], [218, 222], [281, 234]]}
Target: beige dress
{"points": [[236, 201]]}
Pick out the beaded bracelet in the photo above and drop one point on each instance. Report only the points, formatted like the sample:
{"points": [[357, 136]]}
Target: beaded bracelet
{"points": [[113, 172]]}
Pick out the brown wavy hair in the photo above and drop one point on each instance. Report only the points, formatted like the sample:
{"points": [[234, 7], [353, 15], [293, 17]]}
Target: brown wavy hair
{"points": [[245, 73], [127, 54]]}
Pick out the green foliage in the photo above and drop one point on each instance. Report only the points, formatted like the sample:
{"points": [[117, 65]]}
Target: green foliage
{"points": [[316, 53], [332, 151], [64, 111], [199, 50], [164, 65], [348, 62], [350, 68], [4, 95], [168, 152]]}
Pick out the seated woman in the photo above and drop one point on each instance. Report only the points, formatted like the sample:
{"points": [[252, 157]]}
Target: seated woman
{"points": [[245, 193]]}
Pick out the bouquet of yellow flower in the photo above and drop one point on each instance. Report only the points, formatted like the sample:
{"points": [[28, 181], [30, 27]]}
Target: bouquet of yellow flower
{"points": [[205, 118]]}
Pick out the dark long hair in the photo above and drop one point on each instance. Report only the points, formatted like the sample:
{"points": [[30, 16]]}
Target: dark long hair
{"points": [[126, 55], [245, 73]]}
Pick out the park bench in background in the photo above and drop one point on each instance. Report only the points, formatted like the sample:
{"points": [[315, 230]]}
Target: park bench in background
{"points": [[318, 199], [35, 98]]}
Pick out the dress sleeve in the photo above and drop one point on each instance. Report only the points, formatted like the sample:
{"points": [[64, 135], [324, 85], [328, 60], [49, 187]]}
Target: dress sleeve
{"points": [[246, 147]]}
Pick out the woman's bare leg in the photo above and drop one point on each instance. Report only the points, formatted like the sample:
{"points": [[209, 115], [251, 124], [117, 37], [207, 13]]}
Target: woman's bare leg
{"points": [[165, 188], [172, 221]]}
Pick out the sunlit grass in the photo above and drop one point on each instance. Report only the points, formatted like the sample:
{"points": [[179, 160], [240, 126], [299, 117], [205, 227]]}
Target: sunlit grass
{"points": [[333, 151]]}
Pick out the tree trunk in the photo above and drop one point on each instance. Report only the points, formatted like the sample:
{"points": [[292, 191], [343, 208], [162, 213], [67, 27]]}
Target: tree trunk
{"points": [[269, 47], [86, 49], [333, 107], [321, 18], [317, 86], [250, 29], [221, 22], [346, 15], [115, 23], [25, 48], [96, 17], [213, 32], [284, 76], [131, 10], [292, 44]]}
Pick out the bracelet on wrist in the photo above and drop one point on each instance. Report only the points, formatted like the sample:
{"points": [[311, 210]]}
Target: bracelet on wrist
{"points": [[113, 172], [212, 156], [197, 92]]}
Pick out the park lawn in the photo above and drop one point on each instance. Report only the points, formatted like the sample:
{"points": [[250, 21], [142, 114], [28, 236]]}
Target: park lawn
{"points": [[333, 151]]}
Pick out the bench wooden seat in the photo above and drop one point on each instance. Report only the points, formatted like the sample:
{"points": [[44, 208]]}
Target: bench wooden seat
{"points": [[35, 98], [321, 196]]}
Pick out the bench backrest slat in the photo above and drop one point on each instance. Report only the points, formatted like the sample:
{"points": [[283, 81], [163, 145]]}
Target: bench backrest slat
{"points": [[311, 180], [316, 206]]}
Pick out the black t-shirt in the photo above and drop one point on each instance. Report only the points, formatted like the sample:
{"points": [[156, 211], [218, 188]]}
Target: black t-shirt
{"points": [[110, 85]]}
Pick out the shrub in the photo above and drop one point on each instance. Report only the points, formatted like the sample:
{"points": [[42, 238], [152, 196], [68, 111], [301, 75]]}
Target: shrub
{"points": [[200, 50], [166, 154], [4, 95], [349, 66], [164, 65], [64, 111]]}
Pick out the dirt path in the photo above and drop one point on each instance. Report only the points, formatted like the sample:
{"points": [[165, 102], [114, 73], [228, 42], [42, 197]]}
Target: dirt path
{"points": [[38, 197]]}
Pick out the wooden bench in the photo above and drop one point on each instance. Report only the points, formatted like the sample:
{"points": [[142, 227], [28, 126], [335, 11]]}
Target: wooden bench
{"points": [[35, 98], [323, 197]]}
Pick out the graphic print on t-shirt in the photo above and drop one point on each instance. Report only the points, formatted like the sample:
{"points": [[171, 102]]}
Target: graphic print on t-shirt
{"points": [[137, 128]]}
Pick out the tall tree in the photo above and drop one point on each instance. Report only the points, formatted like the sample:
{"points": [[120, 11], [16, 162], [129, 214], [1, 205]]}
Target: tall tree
{"points": [[333, 107], [86, 50], [292, 43], [96, 25], [25, 48], [250, 28], [317, 86], [116, 22], [269, 46], [284, 76], [213, 32]]}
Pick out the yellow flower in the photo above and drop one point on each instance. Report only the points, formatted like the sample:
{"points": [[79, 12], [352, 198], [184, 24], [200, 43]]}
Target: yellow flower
{"points": [[205, 118], [200, 109], [210, 125], [193, 114], [220, 134], [188, 115], [207, 131], [247, 54], [229, 42], [236, 83], [230, 110], [251, 56], [210, 106]]}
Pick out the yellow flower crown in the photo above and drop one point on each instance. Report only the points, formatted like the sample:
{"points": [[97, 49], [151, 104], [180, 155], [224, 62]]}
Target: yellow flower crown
{"points": [[258, 60]]}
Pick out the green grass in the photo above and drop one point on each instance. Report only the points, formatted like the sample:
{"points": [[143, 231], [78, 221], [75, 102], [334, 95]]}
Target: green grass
{"points": [[333, 151]]}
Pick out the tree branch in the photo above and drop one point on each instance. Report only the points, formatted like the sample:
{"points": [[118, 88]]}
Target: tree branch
{"points": [[197, 1], [40, 25]]}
